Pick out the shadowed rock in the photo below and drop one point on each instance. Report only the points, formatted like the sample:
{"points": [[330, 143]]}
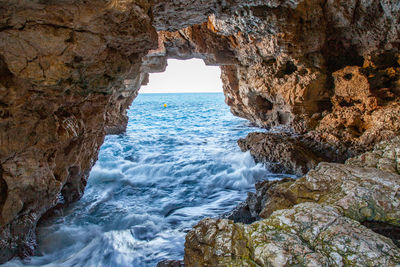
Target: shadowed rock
{"points": [[285, 153]]}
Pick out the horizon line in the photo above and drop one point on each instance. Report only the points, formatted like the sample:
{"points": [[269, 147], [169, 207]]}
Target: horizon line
{"points": [[213, 92]]}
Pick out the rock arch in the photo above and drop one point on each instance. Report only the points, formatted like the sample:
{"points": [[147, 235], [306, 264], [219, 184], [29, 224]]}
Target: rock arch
{"points": [[69, 70]]}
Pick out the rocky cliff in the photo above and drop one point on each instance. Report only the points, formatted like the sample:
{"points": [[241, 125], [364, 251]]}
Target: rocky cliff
{"points": [[69, 70], [326, 69]]}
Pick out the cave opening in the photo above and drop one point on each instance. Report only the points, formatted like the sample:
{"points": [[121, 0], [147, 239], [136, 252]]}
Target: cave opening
{"points": [[175, 165], [185, 76], [69, 70]]}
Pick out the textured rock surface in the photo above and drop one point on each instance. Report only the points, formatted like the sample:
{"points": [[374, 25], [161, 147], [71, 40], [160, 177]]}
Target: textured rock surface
{"points": [[362, 192], [68, 72], [313, 221], [280, 152], [170, 263], [69, 69], [366, 103], [249, 211], [385, 156], [285, 76], [304, 66], [290, 154], [308, 235]]}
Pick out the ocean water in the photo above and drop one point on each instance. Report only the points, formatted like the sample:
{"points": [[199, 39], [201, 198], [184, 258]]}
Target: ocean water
{"points": [[173, 167]]}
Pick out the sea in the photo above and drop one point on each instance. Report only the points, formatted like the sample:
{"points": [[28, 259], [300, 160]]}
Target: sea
{"points": [[177, 163]]}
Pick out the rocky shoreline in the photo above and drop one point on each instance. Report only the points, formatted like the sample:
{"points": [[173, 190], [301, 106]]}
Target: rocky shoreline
{"points": [[292, 154], [337, 214], [326, 72]]}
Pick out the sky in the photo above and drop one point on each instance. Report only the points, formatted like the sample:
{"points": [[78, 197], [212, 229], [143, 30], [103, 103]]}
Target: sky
{"points": [[185, 76]]}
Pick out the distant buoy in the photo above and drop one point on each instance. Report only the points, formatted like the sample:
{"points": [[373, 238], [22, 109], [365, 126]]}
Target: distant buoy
{"points": [[165, 105]]}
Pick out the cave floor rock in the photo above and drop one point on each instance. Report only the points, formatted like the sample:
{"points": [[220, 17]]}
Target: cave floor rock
{"points": [[336, 215]]}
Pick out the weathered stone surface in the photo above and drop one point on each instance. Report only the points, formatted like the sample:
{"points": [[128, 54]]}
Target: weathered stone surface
{"points": [[365, 110], [314, 220], [385, 156], [365, 104], [309, 234], [170, 263], [361, 192], [314, 68], [249, 211], [280, 152], [291, 154], [69, 69], [284, 78]]}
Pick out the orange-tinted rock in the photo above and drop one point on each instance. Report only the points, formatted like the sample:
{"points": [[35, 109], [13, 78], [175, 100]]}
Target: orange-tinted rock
{"points": [[365, 104], [68, 73], [69, 69]]}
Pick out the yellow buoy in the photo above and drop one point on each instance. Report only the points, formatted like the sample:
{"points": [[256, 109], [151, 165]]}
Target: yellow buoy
{"points": [[165, 105]]}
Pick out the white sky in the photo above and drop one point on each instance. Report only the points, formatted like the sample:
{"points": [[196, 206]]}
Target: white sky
{"points": [[182, 76]]}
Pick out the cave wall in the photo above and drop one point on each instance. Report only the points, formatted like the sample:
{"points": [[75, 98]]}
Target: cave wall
{"points": [[69, 70], [287, 65]]}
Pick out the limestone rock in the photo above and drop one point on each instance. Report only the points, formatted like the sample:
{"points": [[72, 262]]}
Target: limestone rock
{"points": [[291, 154], [361, 192], [280, 153], [326, 76], [315, 220], [385, 156], [309, 234], [249, 211], [170, 263], [69, 69], [217, 243], [365, 103]]}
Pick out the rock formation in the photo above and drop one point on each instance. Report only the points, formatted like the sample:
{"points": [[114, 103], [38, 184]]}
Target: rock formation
{"points": [[313, 71], [309, 234], [294, 154], [316, 220], [69, 69]]}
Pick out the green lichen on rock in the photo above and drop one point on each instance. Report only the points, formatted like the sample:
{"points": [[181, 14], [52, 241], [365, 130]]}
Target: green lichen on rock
{"points": [[217, 242], [361, 192], [313, 221], [309, 234]]}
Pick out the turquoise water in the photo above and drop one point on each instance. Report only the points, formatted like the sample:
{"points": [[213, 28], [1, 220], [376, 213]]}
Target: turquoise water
{"points": [[173, 167]]}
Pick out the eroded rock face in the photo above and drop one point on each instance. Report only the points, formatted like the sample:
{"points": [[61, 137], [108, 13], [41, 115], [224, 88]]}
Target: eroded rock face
{"points": [[366, 188], [385, 156], [69, 69], [309, 234], [299, 65], [285, 153], [250, 210], [68, 72], [314, 220], [365, 103], [284, 75]]}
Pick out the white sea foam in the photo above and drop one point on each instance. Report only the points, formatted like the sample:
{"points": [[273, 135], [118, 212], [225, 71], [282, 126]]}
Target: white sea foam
{"points": [[173, 167]]}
